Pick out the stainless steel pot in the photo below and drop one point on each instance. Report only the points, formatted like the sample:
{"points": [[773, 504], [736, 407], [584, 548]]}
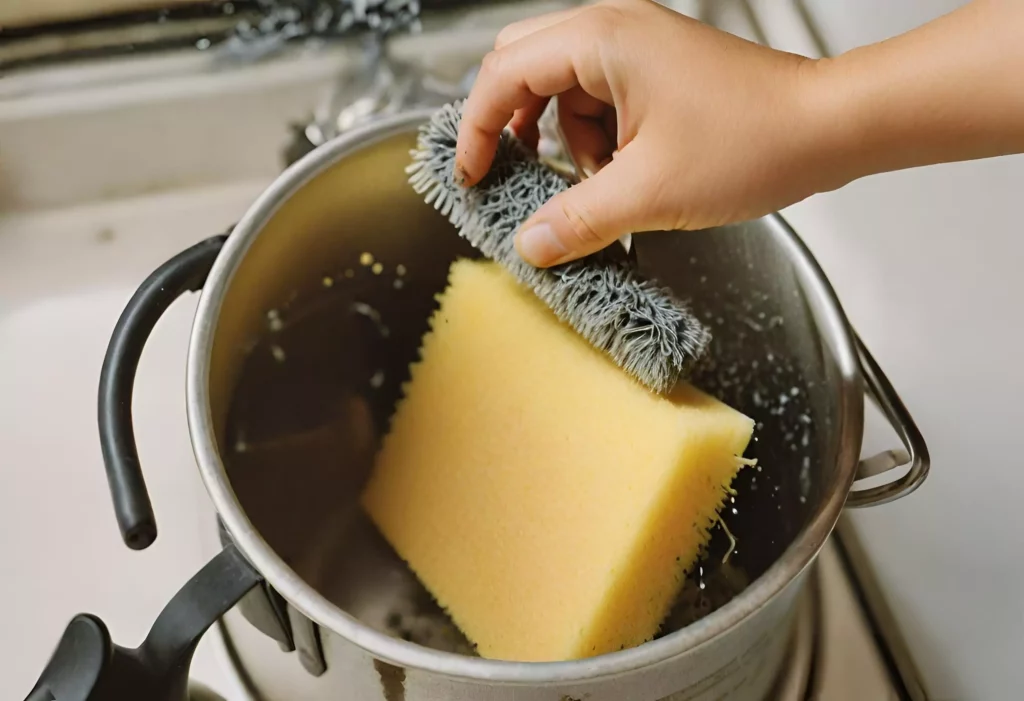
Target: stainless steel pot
{"points": [[311, 310]]}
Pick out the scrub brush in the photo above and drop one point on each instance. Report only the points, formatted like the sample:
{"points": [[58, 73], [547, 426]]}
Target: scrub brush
{"points": [[650, 334]]}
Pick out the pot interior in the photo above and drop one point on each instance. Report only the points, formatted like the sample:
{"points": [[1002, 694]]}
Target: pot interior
{"points": [[325, 313]]}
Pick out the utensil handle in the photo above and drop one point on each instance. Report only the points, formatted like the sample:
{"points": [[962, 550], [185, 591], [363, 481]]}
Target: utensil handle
{"points": [[88, 666], [914, 453], [185, 272]]}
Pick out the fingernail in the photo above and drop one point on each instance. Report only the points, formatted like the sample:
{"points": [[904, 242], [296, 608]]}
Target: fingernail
{"points": [[460, 176], [590, 168], [539, 246]]}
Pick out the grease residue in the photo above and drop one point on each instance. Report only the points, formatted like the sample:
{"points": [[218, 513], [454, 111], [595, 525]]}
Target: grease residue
{"points": [[392, 680]]}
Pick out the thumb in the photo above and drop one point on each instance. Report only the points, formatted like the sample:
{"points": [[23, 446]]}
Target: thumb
{"points": [[589, 215]]}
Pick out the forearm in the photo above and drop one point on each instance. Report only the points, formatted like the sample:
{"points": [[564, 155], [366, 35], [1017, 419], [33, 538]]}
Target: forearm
{"points": [[950, 90]]}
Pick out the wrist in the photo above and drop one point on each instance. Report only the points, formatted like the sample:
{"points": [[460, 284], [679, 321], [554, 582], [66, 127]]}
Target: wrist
{"points": [[835, 122], [936, 94]]}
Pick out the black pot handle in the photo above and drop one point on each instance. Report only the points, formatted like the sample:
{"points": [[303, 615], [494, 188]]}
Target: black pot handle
{"points": [[88, 666], [185, 272]]}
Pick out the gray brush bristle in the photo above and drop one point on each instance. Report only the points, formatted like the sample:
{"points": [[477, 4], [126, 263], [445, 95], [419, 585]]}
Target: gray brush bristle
{"points": [[643, 327]]}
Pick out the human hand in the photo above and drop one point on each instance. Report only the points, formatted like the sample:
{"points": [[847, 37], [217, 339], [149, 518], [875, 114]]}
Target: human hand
{"points": [[705, 128]]}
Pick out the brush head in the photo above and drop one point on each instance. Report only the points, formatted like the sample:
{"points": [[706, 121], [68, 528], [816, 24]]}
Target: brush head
{"points": [[647, 331]]}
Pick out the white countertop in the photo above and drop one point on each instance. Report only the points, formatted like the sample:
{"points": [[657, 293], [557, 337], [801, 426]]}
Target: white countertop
{"points": [[928, 267]]}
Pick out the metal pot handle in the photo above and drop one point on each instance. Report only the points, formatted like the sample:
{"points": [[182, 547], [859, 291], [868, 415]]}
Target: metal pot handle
{"points": [[914, 453], [88, 666], [185, 272]]}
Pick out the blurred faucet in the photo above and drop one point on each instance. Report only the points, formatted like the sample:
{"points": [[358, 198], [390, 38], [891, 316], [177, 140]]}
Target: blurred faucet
{"points": [[376, 86]]}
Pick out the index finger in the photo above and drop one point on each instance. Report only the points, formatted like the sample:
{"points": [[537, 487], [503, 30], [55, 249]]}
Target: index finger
{"points": [[536, 66]]}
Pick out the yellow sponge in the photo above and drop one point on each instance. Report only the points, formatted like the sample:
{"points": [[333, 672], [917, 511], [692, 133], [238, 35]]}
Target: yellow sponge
{"points": [[550, 503]]}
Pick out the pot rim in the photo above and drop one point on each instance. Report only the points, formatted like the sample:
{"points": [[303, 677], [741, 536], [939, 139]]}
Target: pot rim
{"points": [[800, 553]]}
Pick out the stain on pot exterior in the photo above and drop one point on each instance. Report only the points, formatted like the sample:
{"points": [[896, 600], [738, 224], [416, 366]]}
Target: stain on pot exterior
{"points": [[392, 680]]}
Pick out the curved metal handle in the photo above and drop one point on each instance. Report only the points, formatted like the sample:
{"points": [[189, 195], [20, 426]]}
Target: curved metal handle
{"points": [[185, 272], [914, 453]]}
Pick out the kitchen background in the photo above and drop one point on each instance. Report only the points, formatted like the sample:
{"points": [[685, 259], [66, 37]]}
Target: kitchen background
{"points": [[129, 130]]}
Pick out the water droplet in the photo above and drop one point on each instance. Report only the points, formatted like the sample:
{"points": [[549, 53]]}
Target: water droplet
{"points": [[366, 260], [400, 270], [278, 353], [203, 44], [328, 281], [377, 268], [350, 273]]}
